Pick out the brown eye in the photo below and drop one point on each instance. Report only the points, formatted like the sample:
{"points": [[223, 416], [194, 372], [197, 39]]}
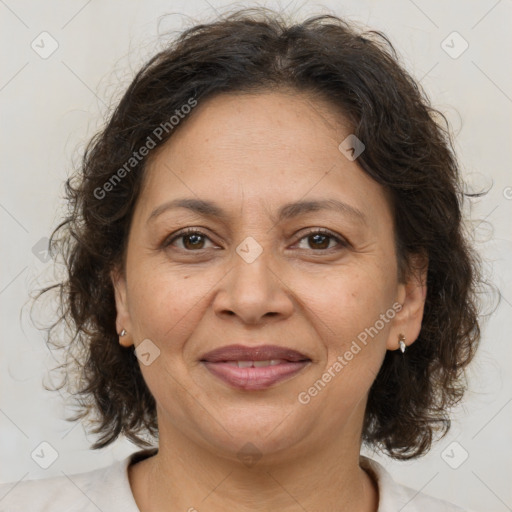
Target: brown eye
{"points": [[321, 240], [191, 240]]}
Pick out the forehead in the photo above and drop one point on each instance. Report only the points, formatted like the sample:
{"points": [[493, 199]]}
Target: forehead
{"points": [[279, 120], [266, 148]]}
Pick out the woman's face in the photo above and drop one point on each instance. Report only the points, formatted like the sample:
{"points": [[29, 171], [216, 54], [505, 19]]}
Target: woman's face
{"points": [[260, 274]]}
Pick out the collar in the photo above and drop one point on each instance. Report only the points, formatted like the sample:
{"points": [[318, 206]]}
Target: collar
{"points": [[393, 497]]}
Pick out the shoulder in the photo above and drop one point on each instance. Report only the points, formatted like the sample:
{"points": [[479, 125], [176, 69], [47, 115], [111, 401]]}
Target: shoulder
{"points": [[56, 494], [106, 488], [46, 495], [419, 501], [394, 496]]}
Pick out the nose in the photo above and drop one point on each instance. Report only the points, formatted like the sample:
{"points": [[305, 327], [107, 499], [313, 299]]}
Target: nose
{"points": [[254, 291]]}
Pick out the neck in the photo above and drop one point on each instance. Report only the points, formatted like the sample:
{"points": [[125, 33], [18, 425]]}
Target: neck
{"points": [[183, 475]]}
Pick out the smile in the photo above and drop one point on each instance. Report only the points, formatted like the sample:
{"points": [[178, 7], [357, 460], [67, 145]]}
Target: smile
{"points": [[254, 367], [254, 375], [256, 364]]}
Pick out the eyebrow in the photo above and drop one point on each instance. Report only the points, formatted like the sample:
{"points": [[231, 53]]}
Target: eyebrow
{"points": [[286, 212]]}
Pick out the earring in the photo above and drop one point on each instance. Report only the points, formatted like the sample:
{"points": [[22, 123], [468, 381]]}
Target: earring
{"points": [[123, 333], [401, 342]]}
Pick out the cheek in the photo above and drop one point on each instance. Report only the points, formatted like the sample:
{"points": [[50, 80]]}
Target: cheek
{"points": [[349, 299], [165, 304], [352, 315]]}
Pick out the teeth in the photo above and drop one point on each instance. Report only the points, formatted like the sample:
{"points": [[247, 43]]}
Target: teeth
{"points": [[255, 364], [261, 363]]}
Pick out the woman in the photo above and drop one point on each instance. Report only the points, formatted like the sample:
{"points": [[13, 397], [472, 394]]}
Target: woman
{"points": [[267, 268]]}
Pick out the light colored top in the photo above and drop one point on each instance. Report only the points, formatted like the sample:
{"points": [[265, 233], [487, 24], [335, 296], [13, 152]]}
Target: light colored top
{"points": [[108, 490]]}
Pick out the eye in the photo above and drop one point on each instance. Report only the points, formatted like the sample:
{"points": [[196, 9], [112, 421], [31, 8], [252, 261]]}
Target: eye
{"points": [[321, 239], [192, 240]]}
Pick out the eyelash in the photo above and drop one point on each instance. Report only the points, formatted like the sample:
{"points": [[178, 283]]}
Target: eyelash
{"points": [[194, 231]]}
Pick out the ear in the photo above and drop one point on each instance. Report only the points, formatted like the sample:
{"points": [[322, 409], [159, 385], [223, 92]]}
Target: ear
{"points": [[123, 317], [411, 295]]}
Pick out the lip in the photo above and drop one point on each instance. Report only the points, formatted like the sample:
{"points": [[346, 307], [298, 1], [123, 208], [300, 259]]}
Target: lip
{"points": [[220, 363], [259, 353]]}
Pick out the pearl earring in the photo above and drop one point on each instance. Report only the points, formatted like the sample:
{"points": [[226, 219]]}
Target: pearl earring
{"points": [[123, 333], [401, 342]]}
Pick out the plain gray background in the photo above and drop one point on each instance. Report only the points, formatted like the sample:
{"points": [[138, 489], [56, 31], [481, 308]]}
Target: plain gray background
{"points": [[52, 103]]}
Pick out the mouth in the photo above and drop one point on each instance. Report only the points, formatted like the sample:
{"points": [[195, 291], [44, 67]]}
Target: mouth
{"points": [[254, 368]]}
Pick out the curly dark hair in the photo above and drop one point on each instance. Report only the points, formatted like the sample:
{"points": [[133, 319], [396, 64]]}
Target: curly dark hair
{"points": [[409, 152]]}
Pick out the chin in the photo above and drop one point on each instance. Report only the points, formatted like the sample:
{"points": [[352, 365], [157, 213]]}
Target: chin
{"points": [[249, 438]]}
